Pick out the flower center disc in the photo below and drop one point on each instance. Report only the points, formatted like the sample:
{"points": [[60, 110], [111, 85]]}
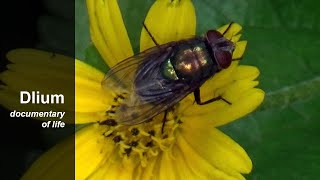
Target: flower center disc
{"points": [[145, 140]]}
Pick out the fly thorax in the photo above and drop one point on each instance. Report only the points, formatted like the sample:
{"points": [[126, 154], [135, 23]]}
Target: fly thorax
{"points": [[168, 71], [192, 62]]}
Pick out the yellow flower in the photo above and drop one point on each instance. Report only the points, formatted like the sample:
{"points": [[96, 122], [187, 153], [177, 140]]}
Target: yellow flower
{"points": [[190, 147]]}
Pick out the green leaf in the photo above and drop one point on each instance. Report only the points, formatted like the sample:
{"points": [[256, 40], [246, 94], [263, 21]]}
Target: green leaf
{"points": [[133, 14], [281, 137], [82, 40], [93, 58]]}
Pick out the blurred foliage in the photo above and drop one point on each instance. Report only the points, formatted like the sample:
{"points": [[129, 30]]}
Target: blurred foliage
{"points": [[282, 136]]}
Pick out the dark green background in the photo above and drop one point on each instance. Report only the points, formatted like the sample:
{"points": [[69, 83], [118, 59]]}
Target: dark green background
{"points": [[283, 37]]}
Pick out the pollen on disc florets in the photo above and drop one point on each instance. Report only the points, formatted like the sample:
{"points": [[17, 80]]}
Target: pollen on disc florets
{"points": [[145, 140]]}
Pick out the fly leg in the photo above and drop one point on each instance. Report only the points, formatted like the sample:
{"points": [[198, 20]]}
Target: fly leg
{"points": [[197, 98], [164, 120], [153, 39], [228, 28]]}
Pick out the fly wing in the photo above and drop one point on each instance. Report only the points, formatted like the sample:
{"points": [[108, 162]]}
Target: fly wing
{"points": [[120, 78], [146, 92]]}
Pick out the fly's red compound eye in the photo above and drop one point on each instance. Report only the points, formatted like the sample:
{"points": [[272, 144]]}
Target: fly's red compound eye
{"points": [[221, 48], [213, 36], [223, 58]]}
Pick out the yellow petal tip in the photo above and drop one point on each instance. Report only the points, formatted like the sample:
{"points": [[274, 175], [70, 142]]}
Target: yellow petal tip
{"points": [[246, 72]]}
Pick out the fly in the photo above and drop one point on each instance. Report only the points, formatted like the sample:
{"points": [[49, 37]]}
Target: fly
{"points": [[158, 78]]}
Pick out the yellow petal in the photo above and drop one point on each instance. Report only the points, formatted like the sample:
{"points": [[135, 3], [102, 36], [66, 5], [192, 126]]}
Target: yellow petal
{"points": [[35, 70], [234, 91], [115, 168], [219, 113], [182, 163], [92, 100], [108, 32], [201, 165], [92, 150], [89, 148], [230, 30], [183, 170], [168, 21], [167, 170], [239, 50], [57, 163], [39, 70], [31, 57], [217, 148], [148, 172], [236, 38], [88, 117], [245, 72]]}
